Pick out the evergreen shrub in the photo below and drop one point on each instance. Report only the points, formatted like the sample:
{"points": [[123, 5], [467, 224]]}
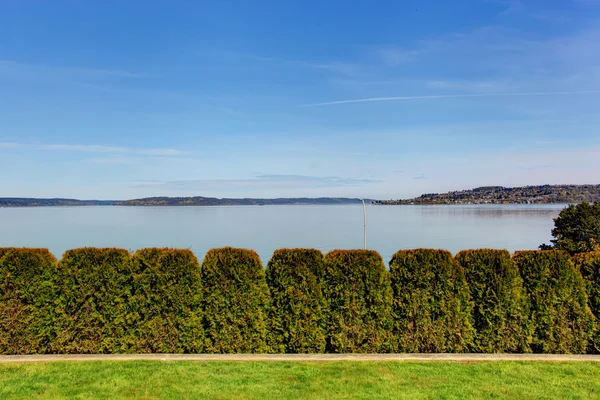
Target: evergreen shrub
{"points": [[93, 294], [561, 318], [432, 307], [500, 304], [26, 298], [357, 288], [589, 266], [296, 317], [166, 305], [235, 301]]}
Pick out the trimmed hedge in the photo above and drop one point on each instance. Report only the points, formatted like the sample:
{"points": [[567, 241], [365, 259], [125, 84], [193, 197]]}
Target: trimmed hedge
{"points": [[589, 266], [166, 302], [296, 316], [500, 305], [161, 300], [432, 308], [562, 320], [235, 301], [25, 300], [3, 250], [93, 312], [357, 287]]}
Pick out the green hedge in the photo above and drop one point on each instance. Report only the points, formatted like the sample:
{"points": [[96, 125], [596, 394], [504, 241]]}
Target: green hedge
{"points": [[297, 314], [589, 266], [432, 309], [25, 300], [93, 310], [559, 312], [166, 304], [500, 305], [357, 288], [235, 301], [3, 250], [161, 300]]}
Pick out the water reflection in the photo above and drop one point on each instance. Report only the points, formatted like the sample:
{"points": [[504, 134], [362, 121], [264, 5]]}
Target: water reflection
{"points": [[494, 211]]}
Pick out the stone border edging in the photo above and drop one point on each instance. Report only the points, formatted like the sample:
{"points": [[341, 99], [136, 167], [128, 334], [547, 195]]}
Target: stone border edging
{"points": [[443, 357]]}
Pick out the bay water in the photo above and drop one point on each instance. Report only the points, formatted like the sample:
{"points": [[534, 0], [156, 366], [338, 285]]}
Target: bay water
{"points": [[267, 228]]}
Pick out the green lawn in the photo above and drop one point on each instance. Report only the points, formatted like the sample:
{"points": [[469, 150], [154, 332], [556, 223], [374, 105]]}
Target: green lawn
{"points": [[286, 380]]}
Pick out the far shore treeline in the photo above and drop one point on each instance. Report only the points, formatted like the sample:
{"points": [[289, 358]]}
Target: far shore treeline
{"points": [[543, 194], [104, 300], [178, 202]]}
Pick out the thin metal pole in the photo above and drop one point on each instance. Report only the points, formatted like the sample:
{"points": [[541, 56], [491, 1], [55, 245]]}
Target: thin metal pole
{"points": [[365, 222]]}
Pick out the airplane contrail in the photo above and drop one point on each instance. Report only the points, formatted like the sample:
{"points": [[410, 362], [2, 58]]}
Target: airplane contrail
{"points": [[448, 96]]}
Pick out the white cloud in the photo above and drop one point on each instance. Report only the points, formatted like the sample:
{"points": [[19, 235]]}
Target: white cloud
{"points": [[512, 7], [339, 67], [9, 145], [450, 96], [115, 160], [266, 181], [110, 149], [395, 55], [497, 57], [520, 55], [489, 86], [93, 148], [12, 68]]}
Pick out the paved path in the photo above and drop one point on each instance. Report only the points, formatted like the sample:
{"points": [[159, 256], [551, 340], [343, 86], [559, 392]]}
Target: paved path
{"points": [[300, 357]]}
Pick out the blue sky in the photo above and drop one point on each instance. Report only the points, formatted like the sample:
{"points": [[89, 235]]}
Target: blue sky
{"points": [[386, 99]]}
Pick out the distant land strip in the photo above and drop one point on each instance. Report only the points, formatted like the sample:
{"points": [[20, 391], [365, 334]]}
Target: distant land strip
{"points": [[176, 201], [544, 194]]}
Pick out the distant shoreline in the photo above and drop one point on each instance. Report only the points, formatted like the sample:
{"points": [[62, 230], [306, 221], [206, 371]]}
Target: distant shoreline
{"points": [[277, 205], [498, 195], [543, 194], [15, 202]]}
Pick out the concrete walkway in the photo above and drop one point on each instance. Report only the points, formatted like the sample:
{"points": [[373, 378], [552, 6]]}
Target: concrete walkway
{"points": [[300, 357]]}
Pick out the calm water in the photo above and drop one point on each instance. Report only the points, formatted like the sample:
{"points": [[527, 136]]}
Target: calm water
{"points": [[266, 228]]}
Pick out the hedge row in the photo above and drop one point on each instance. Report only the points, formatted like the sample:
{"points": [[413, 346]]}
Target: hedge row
{"points": [[589, 265], [359, 317], [562, 320], [166, 303], [500, 305], [235, 301], [432, 308], [163, 301], [25, 293], [296, 318]]}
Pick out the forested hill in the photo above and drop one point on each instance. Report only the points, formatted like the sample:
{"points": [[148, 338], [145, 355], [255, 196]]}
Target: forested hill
{"points": [[31, 202], [173, 201], [545, 194], [212, 201]]}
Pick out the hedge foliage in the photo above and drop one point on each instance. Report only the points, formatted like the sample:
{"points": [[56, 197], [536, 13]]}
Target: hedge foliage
{"points": [[161, 300], [235, 301], [25, 298], [432, 309], [562, 319], [589, 266], [94, 288], [357, 288], [297, 314], [166, 303], [500, 305]]}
